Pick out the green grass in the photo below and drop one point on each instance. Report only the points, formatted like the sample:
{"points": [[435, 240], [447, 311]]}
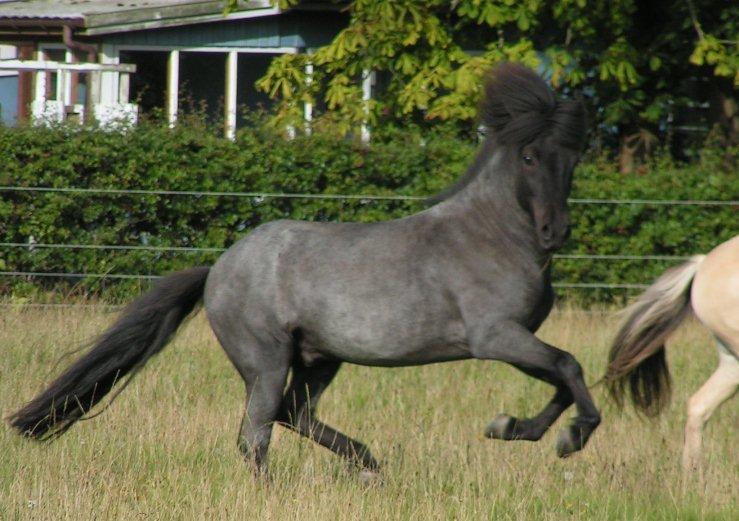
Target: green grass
{"points": [[166, 449]]}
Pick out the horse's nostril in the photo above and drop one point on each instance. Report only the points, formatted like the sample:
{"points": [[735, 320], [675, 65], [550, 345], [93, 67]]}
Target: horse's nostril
{"points": [[546, 230]]}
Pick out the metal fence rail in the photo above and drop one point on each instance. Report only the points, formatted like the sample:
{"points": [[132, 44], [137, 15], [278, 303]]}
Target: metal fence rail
{"points": [[137, 276], [118, 307], [30, 246], [63, 275], [361, 197]]}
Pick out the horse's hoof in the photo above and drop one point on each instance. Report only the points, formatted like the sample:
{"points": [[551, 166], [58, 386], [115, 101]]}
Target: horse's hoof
{"points": [[568, 441], [370, 477], [501, 428], [691, 465]]}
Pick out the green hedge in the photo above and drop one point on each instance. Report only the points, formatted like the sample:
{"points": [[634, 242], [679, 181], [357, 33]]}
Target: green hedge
{"points": [[193, 158]]}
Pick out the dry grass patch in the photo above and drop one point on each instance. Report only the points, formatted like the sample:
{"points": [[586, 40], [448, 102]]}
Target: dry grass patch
{"points": [[166, 449]]}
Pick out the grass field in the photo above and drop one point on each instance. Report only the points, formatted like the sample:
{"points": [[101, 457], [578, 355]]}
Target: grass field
{"points": [[166, 448]]}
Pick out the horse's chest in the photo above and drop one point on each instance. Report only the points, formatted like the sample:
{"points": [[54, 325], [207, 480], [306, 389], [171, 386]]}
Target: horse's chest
{"points": [[535, 301], [522, 294], [540, 308]]}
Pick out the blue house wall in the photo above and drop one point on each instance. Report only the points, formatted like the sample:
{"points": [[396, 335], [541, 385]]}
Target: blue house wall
{"points": [[302, 30]]}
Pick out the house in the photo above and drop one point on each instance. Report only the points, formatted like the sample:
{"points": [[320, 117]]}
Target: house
{"points": [[108, 59]]}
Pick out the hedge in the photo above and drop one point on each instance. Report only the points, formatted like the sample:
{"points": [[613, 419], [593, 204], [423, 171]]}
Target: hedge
{"points": [[190, 157]]}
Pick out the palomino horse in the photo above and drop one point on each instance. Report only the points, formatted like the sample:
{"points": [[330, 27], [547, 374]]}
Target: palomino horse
{"points": [[710, 285], [469, 277]]}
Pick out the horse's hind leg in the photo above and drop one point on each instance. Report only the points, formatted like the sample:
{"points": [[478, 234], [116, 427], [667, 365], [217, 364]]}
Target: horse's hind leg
{"points": [[263, 398], [264, 366], [298, 413], [718, 388]]}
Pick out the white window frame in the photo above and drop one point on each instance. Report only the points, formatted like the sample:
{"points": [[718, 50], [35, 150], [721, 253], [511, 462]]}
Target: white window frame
{"points": [[231, 74]]}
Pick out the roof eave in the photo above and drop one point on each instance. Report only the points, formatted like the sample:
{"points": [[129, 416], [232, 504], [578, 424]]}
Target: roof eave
{"points": [[174, 16], [143, 18], [41, 22]]}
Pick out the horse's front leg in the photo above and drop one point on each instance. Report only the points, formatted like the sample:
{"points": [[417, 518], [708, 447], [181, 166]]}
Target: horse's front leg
{"points": [[512, 343], [506, 427], [721, 386]]}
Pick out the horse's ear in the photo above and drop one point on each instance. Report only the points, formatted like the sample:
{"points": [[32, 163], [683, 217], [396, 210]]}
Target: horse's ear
{"points": [[570, 122]]}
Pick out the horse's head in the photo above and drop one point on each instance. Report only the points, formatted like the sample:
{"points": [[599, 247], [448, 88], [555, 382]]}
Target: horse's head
{"points": [[541, 139], [543, 183]]}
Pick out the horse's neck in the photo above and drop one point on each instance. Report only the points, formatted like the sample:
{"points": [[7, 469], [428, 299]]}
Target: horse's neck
{"points": [[491, 211]]}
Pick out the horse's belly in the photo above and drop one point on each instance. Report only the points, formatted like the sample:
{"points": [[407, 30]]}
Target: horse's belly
{"points": [[387, 355], [388, 342]]}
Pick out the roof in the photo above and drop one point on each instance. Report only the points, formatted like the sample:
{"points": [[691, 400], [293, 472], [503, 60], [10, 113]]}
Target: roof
{"points": [[111, 16]]}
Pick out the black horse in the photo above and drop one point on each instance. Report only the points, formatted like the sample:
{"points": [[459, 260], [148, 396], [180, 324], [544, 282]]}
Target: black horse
{"points": [[469, 277]]}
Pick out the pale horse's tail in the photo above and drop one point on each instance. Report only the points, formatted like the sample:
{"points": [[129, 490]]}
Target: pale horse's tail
{"points": [[637, 357]]}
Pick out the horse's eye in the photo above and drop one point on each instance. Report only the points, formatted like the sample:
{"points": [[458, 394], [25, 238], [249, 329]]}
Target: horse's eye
{"points": [[528, 160]]}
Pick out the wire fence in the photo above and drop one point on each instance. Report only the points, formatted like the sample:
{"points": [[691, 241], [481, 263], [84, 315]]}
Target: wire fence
{"points": [[194, 249], [21, 305], [101, 306], [30, 246], [129, 276], [185, 249], [361, 197]]}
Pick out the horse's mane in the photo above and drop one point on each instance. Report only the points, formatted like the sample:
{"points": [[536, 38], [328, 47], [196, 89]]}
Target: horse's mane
{"points": [[518, 107]]}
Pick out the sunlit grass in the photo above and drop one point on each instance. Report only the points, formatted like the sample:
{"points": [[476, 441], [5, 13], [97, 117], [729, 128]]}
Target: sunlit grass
{"points": [[167, 448]]}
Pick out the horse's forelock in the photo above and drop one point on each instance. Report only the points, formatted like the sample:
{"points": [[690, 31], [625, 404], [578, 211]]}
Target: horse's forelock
{"points": [[519, 106]]}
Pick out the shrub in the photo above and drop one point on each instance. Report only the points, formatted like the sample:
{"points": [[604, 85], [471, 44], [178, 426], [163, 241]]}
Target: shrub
{"points": [[400, 162]]}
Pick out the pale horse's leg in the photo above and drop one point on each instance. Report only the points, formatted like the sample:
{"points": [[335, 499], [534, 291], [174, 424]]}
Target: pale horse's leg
{"points": [[718, 388]]}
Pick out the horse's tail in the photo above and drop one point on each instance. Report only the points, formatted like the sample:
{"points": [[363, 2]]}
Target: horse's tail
{"points": [[143, 329], [637, 356]]}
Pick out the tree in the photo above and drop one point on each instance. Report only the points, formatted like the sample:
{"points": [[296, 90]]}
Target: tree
{"points": [[635, 62]]}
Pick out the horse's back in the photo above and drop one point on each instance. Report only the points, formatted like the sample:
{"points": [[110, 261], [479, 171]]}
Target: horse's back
{"points": [[715, 291]]}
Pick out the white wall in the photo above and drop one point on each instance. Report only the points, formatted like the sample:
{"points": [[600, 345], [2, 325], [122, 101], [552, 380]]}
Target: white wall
{"points": [[8, 52]]}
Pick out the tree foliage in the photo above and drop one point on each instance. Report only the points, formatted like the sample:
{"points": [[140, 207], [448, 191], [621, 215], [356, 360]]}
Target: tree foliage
{"points": [[636, 62]]}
